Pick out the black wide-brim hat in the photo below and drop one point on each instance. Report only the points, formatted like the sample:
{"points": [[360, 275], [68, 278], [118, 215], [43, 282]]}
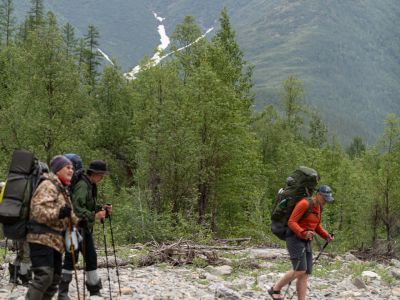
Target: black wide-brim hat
{"points": [[98, 167]]}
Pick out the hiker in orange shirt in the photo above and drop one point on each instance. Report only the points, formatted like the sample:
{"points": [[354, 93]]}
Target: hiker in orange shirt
{"points": [[303, 225]]}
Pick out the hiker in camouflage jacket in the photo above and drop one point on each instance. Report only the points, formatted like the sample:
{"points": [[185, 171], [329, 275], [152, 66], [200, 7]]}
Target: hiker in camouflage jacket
{"points": [[84, 198], [50, 214]]}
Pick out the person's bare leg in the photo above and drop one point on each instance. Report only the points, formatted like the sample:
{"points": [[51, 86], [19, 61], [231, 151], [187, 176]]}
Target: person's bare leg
{"points": [[285, 279], [301, 286]]}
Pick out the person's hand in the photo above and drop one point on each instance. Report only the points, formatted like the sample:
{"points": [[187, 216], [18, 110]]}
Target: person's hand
{"points": [[100, 215], [83, 222], [108, 209], [308, 234], [330, 238], [65, 212]]}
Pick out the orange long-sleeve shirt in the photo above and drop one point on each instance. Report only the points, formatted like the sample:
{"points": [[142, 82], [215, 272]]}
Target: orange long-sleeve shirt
{"points": [[311, 222]]}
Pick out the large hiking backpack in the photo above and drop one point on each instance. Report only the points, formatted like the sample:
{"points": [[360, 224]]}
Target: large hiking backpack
{"points": [[24, 176], [78, 168], [299, 185]]}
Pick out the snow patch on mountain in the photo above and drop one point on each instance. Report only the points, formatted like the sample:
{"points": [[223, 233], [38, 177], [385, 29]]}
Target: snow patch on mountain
{"points": [[164, 43]]}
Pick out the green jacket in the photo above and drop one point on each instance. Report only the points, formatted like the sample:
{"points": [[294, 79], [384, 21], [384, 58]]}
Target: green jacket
{"points": [[84, 199]]}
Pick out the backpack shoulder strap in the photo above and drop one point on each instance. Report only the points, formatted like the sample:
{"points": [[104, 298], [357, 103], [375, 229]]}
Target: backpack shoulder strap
{"points": [[309, 209]]}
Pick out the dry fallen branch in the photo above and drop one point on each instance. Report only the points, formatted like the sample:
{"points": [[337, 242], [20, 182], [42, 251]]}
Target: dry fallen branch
{"points": [[178, 253]]}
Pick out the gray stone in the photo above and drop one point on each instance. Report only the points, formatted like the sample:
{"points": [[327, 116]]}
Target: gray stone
{"points": [[350, 257], [395, 273], [369, 275], [249, 294], [212, 277], [266, 253], [359, 283], [219, 271], [396, 291], [225, 293], [395, 263]]}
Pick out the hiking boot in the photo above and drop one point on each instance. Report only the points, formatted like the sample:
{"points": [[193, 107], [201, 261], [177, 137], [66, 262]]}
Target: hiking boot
{"points": [[94, 290], [95, 294], [25, 278], [43, 278], [13, 270], [63, 288]]}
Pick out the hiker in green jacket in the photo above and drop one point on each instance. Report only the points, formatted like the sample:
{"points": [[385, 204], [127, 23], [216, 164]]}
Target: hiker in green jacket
{"points": [[87, 208]]}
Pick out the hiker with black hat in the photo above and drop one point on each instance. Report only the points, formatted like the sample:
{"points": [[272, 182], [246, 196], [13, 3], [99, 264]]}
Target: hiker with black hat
{"points": [[84, 198], [50, 215], [303, 224]]}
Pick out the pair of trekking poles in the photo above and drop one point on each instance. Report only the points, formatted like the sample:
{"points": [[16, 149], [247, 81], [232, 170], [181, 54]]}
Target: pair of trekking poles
{"points": [[298, 264], [72, 248], [108, 216]]}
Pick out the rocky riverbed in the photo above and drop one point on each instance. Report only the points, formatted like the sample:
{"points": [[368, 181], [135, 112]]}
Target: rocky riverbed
{"points": [[242, 274]]}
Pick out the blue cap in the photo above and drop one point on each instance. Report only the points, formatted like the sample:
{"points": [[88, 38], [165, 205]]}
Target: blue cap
{"points": [[326, 192]]}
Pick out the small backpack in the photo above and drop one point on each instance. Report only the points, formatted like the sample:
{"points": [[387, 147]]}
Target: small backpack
{"points": [[25, 174], [299, 185], [78, 168]]}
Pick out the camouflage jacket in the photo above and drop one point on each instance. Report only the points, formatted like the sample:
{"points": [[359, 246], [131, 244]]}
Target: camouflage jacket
{"points": [[46, 203], [84, 198]]}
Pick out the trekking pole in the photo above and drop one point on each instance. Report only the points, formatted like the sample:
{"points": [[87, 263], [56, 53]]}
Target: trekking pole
{"points": [[15, 275], [84, 262], [72, 250], [115, 257], [4, 257], [322, 249], [105, 250], [294, 272]]}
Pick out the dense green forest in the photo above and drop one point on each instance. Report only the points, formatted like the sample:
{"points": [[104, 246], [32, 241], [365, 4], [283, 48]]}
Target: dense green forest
{"points": [[345, 52], [188, 155]]}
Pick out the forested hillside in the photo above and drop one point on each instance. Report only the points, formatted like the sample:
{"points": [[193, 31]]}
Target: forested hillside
{"points": [[188, 155], [345, 52]]}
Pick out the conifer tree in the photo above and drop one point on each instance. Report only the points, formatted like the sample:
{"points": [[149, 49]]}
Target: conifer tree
{"points": [[356, 148], [36, 13], [69, 40], [230, 63], [292, 99], [48, 88], [22, 31], [186, 38], [318, 131], [7, 21], [91, 56]]}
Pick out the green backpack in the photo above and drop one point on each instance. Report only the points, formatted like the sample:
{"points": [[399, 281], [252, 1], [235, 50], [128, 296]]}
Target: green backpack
{"points": [[299, 185]]}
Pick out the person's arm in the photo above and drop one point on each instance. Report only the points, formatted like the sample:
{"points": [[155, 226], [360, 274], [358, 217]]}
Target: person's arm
{"points": [[322, 232], [299, 210], [79, 196]]}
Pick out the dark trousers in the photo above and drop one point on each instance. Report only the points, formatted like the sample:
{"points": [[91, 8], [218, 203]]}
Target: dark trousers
{"points": [[86, 247], [46, 267]]}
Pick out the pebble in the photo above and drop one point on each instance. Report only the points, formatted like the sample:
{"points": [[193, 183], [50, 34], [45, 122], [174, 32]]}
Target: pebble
{"points": [[165, 282]]}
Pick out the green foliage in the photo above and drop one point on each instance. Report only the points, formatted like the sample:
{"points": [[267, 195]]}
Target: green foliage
{"points": [[199, 262], [357, 147], [188, 157], [137, 223], [90, 56], [353, 85], [7, 21]]}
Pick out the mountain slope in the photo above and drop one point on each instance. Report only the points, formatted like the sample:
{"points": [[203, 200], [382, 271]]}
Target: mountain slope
{"points": [[345, 52]]}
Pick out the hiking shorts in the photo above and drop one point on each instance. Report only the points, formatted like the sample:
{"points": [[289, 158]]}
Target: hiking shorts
{"points": [[300, 253]]}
